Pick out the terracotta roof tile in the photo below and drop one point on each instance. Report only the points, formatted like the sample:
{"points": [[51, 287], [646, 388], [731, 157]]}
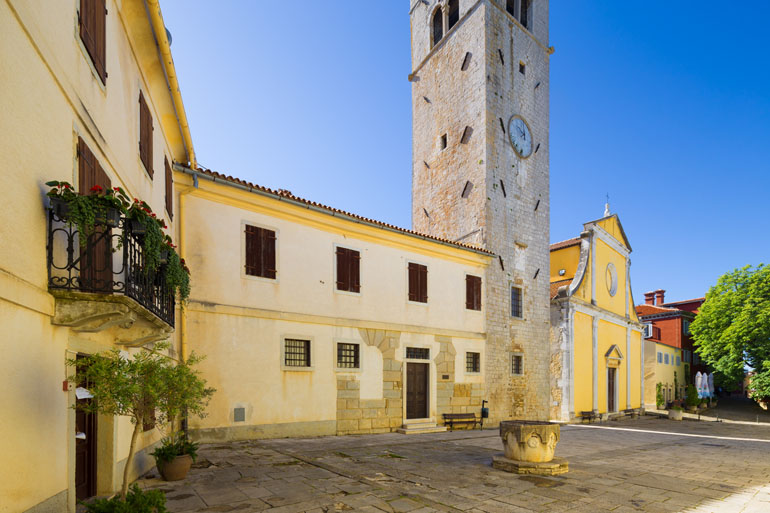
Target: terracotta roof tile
{"points": [[556, 285], [283, 193], [643, 310], [565, 243]]}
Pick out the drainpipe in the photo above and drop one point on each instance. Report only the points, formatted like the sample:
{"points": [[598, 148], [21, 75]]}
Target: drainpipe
{"points": [[183, 311], [164, 46]]}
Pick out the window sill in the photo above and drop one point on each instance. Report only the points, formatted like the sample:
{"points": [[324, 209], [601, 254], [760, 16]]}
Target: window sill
{"points": [[297, 369], [347, 370]]}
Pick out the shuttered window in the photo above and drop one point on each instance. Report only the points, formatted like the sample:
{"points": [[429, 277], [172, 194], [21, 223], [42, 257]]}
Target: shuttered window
{"points": [[169, 189], [145, 134], [472, 292], [260, 252], [96, 258], [418, 283], [93, 20], [348, 270]]}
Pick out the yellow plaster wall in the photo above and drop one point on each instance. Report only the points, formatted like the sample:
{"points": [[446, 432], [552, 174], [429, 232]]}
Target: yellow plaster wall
{"points": [[611, 225], [611, 334], [583, 363], [306, 264], [605, 255], [567, 259], [635, 357], [663, 372], [48, 97]]}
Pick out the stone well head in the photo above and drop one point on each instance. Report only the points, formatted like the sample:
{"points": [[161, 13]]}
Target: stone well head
{"points": [[529, 440]]}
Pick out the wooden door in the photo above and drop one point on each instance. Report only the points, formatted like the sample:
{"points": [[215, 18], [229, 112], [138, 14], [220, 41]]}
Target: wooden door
{"points": [[611, 406], [96, 260], [416, 390], [85, 451]]}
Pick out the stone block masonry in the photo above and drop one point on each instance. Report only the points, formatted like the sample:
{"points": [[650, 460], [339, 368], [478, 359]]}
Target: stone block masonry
{"points": [[485, 70]]}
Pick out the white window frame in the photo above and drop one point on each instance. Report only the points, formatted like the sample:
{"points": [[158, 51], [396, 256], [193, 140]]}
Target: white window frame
{"points": [[289, 368]]}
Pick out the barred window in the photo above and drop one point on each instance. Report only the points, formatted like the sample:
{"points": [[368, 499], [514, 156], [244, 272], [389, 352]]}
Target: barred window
{"points": [[516, 306], [296, 353], [517, 364], [418, 353], [472, 362], [348, 356]]}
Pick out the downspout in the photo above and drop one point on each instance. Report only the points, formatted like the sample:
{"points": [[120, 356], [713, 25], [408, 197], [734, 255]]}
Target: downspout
{"points": [[159, 28], [182, 310]]}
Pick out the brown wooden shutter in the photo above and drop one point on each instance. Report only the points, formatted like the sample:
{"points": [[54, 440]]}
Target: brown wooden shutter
{"points": [[252, 250], [268, 253], [93, 33], [96, 259], [423, 287], [169, 189], [472, 292], [414, 278], [145, 135], [355, 270], [343, 269]]}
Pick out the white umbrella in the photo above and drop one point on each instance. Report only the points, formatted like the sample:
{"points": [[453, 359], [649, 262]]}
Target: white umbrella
{"points": [[699, 383]]}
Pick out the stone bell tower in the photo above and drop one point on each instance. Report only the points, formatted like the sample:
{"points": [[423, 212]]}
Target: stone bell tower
{"points": [[480, 71]]}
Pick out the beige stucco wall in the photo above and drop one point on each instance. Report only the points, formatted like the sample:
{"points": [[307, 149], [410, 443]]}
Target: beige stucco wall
{"points": [[239, 322], [49, 95]]}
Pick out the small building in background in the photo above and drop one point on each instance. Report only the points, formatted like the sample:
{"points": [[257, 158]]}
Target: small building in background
{"points": [[668, 346], [596, 338]]}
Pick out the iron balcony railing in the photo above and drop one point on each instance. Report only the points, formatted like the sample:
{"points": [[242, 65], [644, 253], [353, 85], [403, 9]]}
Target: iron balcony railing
{"points": [[110, 262]]}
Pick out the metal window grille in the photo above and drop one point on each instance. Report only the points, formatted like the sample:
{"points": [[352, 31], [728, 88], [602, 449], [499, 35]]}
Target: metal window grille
{"points": [[472, 362], [347, 356], [516, 306], [517, 366], [297, 353], [418, 353]]}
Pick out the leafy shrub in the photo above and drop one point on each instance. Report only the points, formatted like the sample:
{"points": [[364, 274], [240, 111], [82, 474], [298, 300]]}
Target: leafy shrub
{"points": [[659, 399], [692, 396], [137, 501], [174, 446]]}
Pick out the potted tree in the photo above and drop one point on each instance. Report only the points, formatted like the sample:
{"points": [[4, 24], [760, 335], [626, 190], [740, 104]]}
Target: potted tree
{"points": [[138, 385], [175, 456], [692, 399]]}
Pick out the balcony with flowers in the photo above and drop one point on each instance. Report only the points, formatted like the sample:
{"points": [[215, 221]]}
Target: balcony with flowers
{"points": [[111, 266]]}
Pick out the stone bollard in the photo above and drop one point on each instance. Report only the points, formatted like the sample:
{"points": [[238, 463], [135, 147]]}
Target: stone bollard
{"points": [[529, 447]]}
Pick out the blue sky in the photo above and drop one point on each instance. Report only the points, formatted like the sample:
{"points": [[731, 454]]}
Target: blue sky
{"points": [[666, 110]]}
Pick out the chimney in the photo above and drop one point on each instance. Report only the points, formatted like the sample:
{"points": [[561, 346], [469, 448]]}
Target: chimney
{"points": [[659, 297], [649, 298]]}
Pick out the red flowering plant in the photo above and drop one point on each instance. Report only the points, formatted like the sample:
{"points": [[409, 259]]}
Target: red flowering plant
{"points": [[86, 211]]}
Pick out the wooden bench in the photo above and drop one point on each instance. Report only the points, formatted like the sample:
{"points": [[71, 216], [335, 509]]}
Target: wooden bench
{"points": [[631, 412], [589, 415], [452, 419]]}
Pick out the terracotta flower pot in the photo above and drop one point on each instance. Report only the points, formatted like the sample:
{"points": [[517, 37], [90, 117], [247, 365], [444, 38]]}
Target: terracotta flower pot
{"points": [[176, 469]]}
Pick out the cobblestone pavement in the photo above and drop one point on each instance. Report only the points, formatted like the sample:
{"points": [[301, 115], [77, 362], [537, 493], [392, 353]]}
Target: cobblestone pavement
{"points": [[650, 465], [739, 408]]}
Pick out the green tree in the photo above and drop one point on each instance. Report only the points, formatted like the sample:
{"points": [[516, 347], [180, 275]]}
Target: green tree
{"points": [[732, 329], [139, 385]]}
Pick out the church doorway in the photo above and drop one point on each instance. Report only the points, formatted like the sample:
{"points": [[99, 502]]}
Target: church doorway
{"points": [[611, 389]]}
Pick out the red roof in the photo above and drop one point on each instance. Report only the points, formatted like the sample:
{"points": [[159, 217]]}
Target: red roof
{"points": [[283, 193], [644, 310], [565, 243], [556, 285]]}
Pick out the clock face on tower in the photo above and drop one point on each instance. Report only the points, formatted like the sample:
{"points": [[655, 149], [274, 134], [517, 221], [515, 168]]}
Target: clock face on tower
{"points": [[521, 138]]}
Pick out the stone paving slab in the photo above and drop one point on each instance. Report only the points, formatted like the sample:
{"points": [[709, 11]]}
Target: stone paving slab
{"points": [[647, 464]]}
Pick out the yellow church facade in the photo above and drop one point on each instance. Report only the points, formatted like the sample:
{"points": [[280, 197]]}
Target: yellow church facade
{"points": [[597, 365]]}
